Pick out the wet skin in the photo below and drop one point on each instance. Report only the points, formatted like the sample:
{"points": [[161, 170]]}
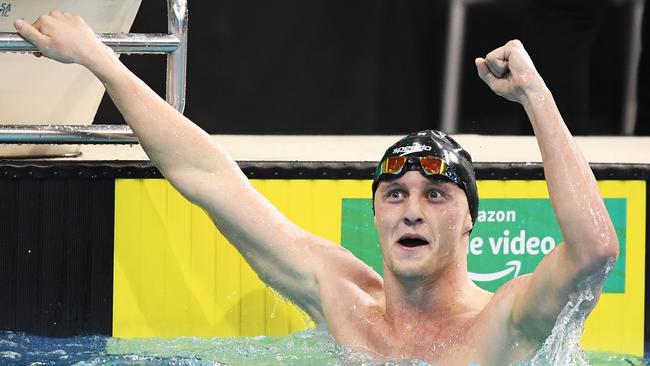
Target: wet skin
{"points": [[426, 306], [423, 226]]}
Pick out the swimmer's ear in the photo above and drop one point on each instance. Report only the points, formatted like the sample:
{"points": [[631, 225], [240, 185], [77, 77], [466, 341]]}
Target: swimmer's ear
{"points": [[468, 224], [374, 212]]}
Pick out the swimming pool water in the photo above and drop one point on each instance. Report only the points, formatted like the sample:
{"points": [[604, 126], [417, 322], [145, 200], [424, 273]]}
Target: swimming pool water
{"points": [[312, 347]]}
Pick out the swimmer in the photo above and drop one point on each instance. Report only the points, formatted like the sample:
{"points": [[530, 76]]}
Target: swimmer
{"points": [[425, 205]]}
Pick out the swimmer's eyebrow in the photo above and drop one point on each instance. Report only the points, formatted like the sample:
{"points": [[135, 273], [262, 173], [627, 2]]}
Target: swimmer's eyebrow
{"points": [[431, 183], [391, 185], [439, 182]]}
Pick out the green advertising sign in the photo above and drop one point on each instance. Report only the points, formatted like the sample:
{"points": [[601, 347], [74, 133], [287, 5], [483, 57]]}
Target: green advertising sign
{"points": [[510, 238]]}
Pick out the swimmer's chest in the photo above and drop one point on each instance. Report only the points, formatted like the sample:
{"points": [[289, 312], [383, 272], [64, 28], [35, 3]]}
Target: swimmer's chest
{"points": [[480, 340]]}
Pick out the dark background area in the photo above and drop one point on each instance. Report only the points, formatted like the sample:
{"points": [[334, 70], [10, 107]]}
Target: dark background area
{"points": [[376, 66]]}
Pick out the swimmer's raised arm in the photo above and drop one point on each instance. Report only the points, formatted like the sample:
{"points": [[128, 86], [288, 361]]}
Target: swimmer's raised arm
{"points": [[590, 241], [285, 256]]}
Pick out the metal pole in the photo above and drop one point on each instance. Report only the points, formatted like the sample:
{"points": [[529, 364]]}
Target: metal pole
{"points": [[177, 60], [452, 76], [634, 53], [453, 64]]}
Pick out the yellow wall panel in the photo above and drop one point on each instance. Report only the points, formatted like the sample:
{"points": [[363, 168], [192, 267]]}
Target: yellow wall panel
{"points": [[203, 283], [228, 293], [176, 275], [616, 324]]}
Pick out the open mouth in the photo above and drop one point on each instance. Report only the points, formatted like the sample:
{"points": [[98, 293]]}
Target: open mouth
{"points": [[412, 241]]}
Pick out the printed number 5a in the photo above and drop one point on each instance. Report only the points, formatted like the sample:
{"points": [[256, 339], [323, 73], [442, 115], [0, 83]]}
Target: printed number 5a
{"points": [[5, 8]]}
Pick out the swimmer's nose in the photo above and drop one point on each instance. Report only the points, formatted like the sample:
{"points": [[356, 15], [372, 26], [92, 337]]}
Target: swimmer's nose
{"points": [[413, 213], [412, 221]]}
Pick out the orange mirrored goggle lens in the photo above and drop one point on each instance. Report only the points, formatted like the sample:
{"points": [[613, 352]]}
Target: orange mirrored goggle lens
{"points": [[394, 165], [430, 165]]}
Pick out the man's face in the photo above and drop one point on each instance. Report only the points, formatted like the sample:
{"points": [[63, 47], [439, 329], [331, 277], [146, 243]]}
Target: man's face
{"points": [[423, 225]]}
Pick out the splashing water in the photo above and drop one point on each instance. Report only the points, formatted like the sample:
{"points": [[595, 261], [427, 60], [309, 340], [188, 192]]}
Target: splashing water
{"points": [[314, 347], [562, 347]]}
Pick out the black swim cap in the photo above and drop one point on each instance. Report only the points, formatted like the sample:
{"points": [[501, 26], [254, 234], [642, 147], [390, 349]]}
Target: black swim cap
{"points": [[438, 144]]}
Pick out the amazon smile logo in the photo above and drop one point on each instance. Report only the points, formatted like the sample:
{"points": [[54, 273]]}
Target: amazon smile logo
{"points": [[512, 266]]}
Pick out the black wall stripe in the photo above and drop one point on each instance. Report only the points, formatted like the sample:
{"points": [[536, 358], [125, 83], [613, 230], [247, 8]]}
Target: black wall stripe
{"points": [[12, 169], [56, 256], [8, 257]]}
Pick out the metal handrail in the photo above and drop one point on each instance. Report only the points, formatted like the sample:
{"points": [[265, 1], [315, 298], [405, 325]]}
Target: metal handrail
{"points": [[67, 134], [129, 43], [173, 44]]}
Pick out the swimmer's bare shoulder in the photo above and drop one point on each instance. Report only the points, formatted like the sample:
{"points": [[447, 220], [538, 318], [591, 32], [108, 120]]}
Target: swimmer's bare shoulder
{"points": [[355, 314], [491, 335], [346, 285], [495, 334]]}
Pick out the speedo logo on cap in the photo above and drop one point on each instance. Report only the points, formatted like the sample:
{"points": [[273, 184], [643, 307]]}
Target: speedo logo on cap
{"points": [[416, 147]]}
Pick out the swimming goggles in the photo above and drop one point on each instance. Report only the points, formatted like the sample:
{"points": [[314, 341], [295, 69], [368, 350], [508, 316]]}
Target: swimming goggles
{"points": [[429, 165]]}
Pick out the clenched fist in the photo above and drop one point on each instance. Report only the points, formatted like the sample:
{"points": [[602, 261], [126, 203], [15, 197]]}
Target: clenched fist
{"points": [[510, 73]]}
